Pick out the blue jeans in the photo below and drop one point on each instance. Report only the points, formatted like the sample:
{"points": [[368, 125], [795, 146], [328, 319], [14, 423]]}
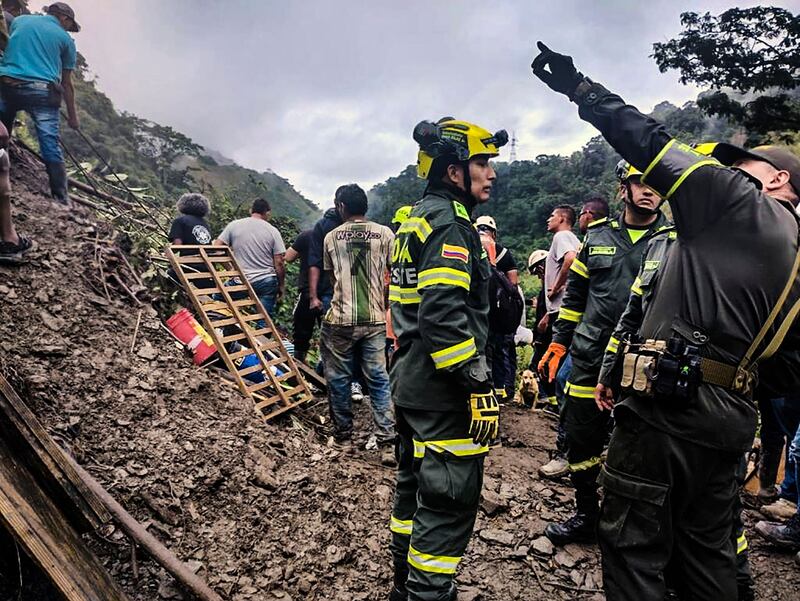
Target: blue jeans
{"points": [[35, 99], [267, 292], [341, 347], [787, 414], [794, 454]]}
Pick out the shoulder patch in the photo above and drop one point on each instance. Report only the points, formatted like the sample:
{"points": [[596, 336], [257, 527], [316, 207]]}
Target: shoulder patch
{"points": [[461, 210], [673, 235], [451, 251], [598, 222], [651, 265], [602, 250]]}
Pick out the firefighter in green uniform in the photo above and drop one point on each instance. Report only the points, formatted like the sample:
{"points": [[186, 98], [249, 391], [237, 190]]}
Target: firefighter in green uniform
{"points": [[441, 384], [597, 290], [608, 383], [722, 302]]}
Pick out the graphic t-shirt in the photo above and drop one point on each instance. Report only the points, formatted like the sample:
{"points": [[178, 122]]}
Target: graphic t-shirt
{"points": [[357, 255], [190, 229]]}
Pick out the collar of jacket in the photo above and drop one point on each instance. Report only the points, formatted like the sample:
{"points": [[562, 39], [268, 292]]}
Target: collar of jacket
{"points": [[450, 193]]}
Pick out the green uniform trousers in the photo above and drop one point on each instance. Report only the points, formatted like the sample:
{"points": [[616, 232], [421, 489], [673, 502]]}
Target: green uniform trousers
{"points": [[439, 481], [587, 432], [667, 513]]}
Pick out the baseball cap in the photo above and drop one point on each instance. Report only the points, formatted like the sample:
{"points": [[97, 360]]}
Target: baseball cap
{"points": [[486, 221], [779, 157], [64, 9]]}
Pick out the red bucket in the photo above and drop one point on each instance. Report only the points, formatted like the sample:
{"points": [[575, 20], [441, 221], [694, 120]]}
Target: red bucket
{"points": [[186, 329]]}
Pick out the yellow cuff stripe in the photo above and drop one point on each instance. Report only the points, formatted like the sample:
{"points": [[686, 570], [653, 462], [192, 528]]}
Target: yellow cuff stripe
{"points": [[570, 315], [460, 447], [657, 160], [636, 287], [418, 226], [446, 276], [404, 296], [400, 526], [584, 465], [438, 564], [613, 345], [455, 354], [579, 268], [581, 392], [741, 544]]}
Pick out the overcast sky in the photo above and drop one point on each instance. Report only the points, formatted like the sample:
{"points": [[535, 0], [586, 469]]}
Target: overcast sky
{"points": [[327, 92]]}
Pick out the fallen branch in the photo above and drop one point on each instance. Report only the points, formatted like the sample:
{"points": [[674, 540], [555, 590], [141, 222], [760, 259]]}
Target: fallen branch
{"points": [[136, 330], [149, 543]]}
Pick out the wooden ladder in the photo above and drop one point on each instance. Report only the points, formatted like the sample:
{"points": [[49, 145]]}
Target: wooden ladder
{"points": [[231, 312]]}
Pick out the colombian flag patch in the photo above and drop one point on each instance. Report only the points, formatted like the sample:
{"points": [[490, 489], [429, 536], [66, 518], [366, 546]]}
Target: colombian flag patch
{"points": [[451, 251]]}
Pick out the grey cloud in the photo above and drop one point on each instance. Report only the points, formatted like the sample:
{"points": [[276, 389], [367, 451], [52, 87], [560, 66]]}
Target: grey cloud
{"points": [[324, 92]]}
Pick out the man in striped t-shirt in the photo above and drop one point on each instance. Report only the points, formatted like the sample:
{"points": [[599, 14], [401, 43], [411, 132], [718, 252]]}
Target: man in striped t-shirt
{"points": [[356, 255]]}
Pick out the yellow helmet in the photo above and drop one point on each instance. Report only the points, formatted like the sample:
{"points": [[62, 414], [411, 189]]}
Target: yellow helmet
{"points": [[458, 141], [625, 170], [401, 214]]}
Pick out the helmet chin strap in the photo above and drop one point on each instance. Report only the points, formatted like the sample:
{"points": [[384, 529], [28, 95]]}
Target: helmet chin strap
{"points": [[628, 200]]}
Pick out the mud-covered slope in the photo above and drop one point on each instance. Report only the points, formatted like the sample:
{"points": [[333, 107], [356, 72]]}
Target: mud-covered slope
{"points": [[263, 511]]}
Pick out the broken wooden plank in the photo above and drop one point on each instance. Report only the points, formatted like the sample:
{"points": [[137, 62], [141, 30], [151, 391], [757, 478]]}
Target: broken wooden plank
{"points": [[43, 531], [47, 461]]}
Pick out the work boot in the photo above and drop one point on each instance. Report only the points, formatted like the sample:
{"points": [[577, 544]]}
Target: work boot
{"points": [[781, 535], [557, 467], [779, 511], [57, 173], [356, 394], [580, 528]]}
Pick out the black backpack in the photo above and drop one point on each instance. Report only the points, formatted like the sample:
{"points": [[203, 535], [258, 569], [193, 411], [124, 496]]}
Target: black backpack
{"points": [[505, 304]]}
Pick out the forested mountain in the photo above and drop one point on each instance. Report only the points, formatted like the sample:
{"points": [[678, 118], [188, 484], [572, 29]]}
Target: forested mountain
{"points": [[526, 191], [162, 163]]}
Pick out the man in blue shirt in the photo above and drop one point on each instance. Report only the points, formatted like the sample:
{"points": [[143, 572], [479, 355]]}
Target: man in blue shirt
{"points": [[35, 74]]}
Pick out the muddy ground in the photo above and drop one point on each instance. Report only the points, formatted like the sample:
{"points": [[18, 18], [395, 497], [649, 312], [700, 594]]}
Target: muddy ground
{"points": [[261, 511]]}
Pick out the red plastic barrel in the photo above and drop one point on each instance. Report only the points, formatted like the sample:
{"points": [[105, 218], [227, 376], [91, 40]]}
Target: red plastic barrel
{"points": [[187, 330]]}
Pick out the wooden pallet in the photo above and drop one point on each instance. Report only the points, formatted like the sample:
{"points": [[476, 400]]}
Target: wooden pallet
{"points": [[232, 304]]}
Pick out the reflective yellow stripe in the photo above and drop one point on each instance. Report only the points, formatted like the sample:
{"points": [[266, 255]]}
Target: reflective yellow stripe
{"points": [[613, 345], [552, 400], [636, 288], [570, 315], [419, 449], [581, 392], [418, 226], [584, 465], [400, 526], [461, 447], [687, 173], [443, 275], [579, 268], [454, 354], [657, 160], [741, 544], [438, 564], [404, 296]]}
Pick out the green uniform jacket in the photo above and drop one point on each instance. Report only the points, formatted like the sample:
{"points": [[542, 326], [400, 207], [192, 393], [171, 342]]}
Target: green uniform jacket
{"points": [[640, 296], [598, 287], [439, 296], [735, 252]]}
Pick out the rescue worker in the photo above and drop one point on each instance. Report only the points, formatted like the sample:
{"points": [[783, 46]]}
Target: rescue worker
{"points": [[669, 479], [608, 383], [445, 407], [598, 287]]}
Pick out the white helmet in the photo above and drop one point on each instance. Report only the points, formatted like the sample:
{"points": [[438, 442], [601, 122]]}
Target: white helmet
{"points": [[535, 257], [486, 220]]}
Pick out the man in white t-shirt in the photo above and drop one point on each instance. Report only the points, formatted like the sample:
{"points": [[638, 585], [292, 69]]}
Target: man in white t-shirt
{"points": [[259, 250]]}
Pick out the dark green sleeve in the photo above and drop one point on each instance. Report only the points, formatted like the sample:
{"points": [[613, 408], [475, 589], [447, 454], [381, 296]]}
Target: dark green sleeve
{"points": [[629, 323], [574, 304], [444, 278]]}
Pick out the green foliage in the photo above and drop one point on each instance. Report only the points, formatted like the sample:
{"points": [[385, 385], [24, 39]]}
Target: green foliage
{"points": [[748, 50]]}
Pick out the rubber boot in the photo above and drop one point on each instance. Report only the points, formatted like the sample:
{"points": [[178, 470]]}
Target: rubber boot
{"points": [[57, 173], [399, 592]]}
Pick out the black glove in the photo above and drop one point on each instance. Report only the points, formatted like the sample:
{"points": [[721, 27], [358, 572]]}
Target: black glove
{"points": [[475, 376], [562, 77]]}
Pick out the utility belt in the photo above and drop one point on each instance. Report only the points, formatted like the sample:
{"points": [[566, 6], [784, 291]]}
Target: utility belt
{"points": [[674, 370]]}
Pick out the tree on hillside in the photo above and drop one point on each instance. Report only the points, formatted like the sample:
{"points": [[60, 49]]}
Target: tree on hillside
{"points": [[753, 51]]}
